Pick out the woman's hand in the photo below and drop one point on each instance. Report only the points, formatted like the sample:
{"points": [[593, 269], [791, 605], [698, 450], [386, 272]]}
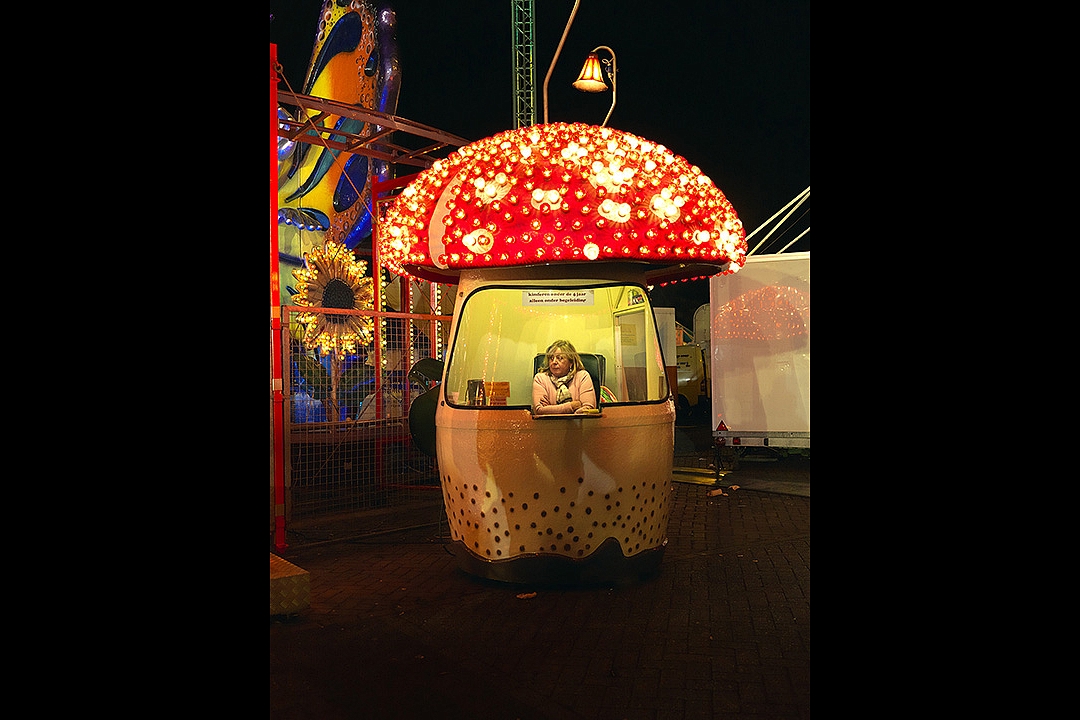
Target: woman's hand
{"points": [[574, 405]]}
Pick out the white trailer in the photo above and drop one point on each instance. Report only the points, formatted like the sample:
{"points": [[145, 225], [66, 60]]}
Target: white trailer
{"points": [[760, 353]]}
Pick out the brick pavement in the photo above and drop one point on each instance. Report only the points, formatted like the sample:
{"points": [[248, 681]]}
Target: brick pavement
{"points": [[722, 631]]}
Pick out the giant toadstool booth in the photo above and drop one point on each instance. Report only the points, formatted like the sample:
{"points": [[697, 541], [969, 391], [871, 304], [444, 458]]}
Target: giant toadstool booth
{"points": [[556, 231]]}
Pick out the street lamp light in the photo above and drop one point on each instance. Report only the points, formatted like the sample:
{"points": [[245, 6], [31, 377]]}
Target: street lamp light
{"points": [[591, 78]]}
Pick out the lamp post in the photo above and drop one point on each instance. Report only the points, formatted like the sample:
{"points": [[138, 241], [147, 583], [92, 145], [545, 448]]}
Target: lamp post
{"points": [[558, 50], [591, 78]]}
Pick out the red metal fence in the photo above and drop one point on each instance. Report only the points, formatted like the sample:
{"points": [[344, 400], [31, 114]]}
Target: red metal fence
{"points": [[350, 466]]}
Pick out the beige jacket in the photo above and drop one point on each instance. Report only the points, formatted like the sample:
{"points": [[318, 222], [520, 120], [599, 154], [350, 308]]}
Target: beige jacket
{"points": [[581, 389]]}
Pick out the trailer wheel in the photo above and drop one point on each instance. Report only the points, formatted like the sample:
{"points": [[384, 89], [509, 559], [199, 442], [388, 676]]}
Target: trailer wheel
{"points": [[729, 457]]}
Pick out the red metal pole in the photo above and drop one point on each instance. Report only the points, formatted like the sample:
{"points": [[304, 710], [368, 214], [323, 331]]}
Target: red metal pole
{"points": [[276, 384], [406, 307], [376, 279]]}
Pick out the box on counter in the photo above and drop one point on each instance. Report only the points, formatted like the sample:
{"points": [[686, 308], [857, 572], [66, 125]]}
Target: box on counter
{"points": [[497, 392]]}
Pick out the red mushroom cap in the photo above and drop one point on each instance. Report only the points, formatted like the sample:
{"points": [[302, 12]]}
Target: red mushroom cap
{"points": [[561, 193]]}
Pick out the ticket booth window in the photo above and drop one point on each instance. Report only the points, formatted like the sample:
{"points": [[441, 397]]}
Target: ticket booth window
{"points": [[502, 328]]}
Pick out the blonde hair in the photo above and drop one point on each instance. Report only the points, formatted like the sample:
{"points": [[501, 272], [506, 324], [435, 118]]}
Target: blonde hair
{"points": [[566, 348]]}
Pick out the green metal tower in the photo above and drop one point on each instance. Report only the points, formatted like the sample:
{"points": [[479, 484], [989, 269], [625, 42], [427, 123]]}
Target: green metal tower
{"points": [[523, 42]]}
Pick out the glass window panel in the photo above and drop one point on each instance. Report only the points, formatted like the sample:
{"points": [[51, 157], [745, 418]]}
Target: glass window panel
{"points": [[501, 329]]}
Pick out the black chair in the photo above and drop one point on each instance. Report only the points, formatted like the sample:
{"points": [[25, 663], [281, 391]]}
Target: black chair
{"points": [[595, 365], [427, 372]]}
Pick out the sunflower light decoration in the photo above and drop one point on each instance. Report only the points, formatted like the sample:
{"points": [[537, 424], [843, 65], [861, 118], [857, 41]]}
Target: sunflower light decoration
{"points": [[332, 278]]}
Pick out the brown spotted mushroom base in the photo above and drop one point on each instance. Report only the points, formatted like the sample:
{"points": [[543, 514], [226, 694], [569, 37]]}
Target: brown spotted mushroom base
{"points": [[568, 534]]}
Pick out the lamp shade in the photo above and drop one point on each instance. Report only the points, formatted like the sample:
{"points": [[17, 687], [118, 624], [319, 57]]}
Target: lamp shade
{"points": [[591, 78]]}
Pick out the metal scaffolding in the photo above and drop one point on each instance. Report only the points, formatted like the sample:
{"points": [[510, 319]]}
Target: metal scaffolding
{"points": [[523, 42], [376, 139]]}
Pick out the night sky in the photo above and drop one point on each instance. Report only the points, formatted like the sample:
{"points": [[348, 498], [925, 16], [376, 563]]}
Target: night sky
{"points": [[723, 83]]}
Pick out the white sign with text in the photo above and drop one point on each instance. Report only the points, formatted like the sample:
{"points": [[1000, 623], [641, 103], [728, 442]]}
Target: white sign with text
{"points": [[556, 296]]}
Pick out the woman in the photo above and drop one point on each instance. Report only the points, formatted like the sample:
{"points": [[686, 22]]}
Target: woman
{"points": [[564, 385]]}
